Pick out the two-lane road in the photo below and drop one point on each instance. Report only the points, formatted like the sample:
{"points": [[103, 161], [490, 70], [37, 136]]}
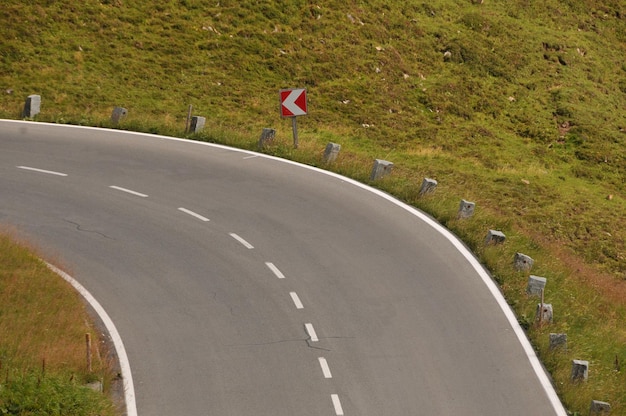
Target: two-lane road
{"points": [[246, 285]]}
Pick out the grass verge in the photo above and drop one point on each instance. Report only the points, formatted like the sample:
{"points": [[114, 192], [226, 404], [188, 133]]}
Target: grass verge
{"points": [[43, 349]]}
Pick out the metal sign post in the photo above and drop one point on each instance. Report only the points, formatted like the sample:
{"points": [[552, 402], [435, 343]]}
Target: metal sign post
{"points": [[295, 132], [293, 103]]}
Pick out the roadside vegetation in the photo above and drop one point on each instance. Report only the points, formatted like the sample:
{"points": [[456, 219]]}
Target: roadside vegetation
{"points": [[515, 105], [43, 348]]}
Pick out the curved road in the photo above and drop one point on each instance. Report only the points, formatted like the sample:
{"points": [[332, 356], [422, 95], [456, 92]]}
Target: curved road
{"points": [[246, 285]]}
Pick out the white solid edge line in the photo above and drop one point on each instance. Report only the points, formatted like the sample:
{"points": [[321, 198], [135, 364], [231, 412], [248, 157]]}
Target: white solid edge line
{"points": [[127, 377], [193, 214], [242, 241], [311, 331], [337, 404], [296, 300], [325, 367], [498, 296], [275, 270], [49, 172], [128, 191]]}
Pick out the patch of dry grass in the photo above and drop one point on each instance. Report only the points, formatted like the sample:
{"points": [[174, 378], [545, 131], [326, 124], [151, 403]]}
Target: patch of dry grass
{"points": [[44, 323]]}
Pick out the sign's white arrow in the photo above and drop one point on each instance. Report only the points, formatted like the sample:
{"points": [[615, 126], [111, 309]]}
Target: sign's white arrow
{"points": [[293, 102]]}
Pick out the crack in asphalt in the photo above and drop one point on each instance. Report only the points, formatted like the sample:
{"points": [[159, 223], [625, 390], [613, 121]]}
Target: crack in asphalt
{"points": [[78, 227]]}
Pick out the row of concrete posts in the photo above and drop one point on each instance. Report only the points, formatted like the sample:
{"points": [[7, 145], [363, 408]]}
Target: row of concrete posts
{"points": [[536, 284]]}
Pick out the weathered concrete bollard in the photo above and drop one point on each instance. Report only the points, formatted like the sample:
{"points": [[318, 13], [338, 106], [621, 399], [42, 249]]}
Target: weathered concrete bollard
{"points": [[197, 124], [523, 262], [599, 408], [381, 168], [466, 209], [536, 285], [267, 137], [580, 370], [331, 152], [544, 313], [32, 106], [118, 114], [495, 237], [428, 186], [558, 341]]}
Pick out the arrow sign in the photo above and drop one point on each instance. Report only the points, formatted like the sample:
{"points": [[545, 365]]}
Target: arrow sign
{"points": [[293, 102]]}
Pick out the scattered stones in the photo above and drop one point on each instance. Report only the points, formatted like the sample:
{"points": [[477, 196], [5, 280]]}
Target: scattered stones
{"points": [[381, 168], [495, 237], [355, 20], [523, 262], [118, 114], [536, 285], [331, 152], [32, 106], [428, 186], [558, 341], [466, 209], [580, 370]]}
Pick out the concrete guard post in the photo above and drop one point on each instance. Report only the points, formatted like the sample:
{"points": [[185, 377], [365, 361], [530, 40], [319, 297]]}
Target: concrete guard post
{"points": [[536, 285], [466, 209], [580, 370], [197, 124], [495, 237], [32, 106], [558, 341], [544, 313], [118, 114], [523, 262], [267, 137], [380, 169], [599, 408], [428, 186], [331, 152]]}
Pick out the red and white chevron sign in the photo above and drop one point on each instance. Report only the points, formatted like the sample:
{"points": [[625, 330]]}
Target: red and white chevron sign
{"points": [[293, 102]]}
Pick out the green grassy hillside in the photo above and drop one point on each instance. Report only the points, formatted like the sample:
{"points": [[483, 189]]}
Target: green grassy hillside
{"points": [[516, 105]]}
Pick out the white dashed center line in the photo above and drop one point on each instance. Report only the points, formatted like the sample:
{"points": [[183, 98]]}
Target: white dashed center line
{"points": [[128, 191], [311, 331], [275, 270], [337, 404], [325, 368], [193, 214], [296, 300], [49, 172], [242, 241]]}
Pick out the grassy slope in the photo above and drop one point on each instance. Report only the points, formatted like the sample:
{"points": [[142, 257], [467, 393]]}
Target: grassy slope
{"points": [[43, 323], [524, 116]]}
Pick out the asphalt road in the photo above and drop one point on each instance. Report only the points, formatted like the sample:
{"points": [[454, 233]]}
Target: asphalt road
{"points": [[245, 285]]}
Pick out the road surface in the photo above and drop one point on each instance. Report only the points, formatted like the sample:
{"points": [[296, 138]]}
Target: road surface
{"points": [[246, 285]]}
